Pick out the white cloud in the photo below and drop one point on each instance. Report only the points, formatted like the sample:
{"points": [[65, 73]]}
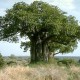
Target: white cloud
{"points": [[8, 4], [2, 11], [27, 1], [61, 3], [67, 6], [64, 4]]}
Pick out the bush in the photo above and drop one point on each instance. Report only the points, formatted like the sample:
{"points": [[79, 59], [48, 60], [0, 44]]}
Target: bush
{"points": [[1, 61], [12, 56], [66, 62], [11, 63]]}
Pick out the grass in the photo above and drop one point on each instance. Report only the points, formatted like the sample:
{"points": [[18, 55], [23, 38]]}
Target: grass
{"points": [[29, 73], [40, 70]]}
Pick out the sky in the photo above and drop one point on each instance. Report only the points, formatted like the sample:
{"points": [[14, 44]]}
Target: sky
{"points": [[72, 7]]}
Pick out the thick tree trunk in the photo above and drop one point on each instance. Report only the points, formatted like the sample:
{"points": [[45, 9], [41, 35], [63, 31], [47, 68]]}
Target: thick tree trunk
{"points": [[44, 52], [36, 50], [50, 56], [32, 51], [39, 51]]}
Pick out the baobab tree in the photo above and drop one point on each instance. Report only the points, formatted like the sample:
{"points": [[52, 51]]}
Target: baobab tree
{"points": [[48, 28]]}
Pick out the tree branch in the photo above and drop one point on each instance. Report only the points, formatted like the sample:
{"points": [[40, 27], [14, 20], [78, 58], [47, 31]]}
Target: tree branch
{"points": [[53, 38], [56, 53]]}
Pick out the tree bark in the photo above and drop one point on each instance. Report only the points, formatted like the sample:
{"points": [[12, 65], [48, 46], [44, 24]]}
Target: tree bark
{"points": [[32, 51], [50, 56], [36, 50], [45, 52], [39, 50]]}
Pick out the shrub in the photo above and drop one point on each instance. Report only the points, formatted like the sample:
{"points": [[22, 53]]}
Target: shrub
{"points": [[11, 63], [66, 62], [1, 61], [12, 56]]}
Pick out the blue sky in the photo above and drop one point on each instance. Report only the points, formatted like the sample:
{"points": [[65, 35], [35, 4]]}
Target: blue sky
{"points": [[72, 7]]}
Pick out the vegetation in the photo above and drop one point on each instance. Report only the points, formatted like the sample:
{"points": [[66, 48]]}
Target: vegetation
{"points": [[50, 32], [12, 56], [16, 61], [41, 72], [67, 62], [27, 73], [1, 61], [47, 27], [53, 70]]}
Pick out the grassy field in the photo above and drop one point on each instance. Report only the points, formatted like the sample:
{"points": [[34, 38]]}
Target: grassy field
{"points": [[49, 72], [40, 72], [20, 69]]}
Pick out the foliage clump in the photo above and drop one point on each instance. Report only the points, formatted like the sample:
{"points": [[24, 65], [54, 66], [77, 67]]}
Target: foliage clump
{"points": [[67, 62], [1, 61]]}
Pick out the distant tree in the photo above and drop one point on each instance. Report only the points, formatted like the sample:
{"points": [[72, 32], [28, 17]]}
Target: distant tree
{"points": [[12, 56], [47, 27]]}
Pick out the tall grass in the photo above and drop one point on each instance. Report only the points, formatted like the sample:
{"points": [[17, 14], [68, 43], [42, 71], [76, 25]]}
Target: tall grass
{"points": [[27, 73], [56, 70]]}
